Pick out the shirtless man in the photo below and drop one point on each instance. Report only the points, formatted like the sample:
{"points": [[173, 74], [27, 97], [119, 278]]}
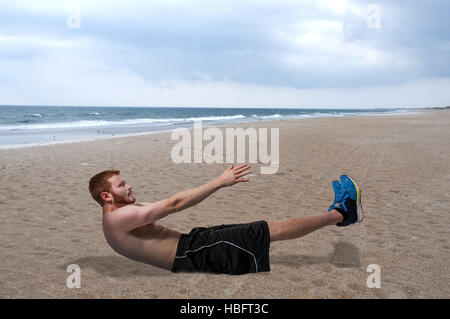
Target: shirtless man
{"points": [[131, 229]]}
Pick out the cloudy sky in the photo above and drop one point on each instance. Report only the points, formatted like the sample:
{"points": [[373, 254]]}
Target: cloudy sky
{"points": [[234, 53]]}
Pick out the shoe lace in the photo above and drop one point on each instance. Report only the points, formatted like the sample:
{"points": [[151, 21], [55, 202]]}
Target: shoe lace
{"points": [[339, 195], [339, 202]]}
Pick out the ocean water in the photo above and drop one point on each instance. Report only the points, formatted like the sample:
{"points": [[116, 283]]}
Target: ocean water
{"points": [[33, 125]]}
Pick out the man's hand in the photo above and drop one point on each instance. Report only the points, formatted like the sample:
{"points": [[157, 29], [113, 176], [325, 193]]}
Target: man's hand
{"points": [[233, 175]]}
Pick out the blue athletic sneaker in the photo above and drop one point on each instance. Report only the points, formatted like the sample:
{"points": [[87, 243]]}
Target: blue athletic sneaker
{"points": [[347, 201], [338, 194]]}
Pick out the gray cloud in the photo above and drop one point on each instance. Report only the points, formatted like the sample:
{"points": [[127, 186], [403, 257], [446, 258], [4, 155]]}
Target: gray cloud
{"points": [[304, 45]]}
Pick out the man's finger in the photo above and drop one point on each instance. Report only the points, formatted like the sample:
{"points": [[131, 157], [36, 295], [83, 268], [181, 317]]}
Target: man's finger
{"points": [[241, 168], [243, 174], [243, 171], [243, 180]]}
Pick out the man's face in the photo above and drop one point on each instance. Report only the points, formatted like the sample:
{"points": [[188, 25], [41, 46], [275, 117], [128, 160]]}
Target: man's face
{"points": [[121, 191]]}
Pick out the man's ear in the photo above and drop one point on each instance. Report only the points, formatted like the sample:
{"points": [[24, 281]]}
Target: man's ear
{"points": [[106, 197]]}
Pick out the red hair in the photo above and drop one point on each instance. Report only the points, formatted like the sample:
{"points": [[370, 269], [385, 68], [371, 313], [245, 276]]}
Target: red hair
{"points": [[99, 183]]}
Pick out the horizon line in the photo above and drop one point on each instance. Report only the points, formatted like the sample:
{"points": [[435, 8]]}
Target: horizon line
{"points": [[230, 107]]}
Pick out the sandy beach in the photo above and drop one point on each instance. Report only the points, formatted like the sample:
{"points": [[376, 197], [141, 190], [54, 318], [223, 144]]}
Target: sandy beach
{"points": [[48, 219]]}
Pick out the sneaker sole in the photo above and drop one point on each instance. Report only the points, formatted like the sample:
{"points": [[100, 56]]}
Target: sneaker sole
{"points": [[359, 210]]}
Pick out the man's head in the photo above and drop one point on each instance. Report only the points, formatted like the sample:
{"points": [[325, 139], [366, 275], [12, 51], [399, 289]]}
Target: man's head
{"points": [[108, 187]]}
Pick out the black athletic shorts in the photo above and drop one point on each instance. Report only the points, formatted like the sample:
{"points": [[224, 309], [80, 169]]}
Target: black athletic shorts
{"points": [[227, 249]]}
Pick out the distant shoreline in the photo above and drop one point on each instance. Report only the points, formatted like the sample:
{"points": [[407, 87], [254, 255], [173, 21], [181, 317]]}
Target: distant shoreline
{"points": [[5, 147]]}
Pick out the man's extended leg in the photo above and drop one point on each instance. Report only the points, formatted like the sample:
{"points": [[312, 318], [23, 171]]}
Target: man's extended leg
{"points": [[298, 227], [345, 210]]}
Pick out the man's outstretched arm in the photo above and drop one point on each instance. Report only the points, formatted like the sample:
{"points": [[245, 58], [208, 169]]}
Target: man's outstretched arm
{"points": [[134, 216]]}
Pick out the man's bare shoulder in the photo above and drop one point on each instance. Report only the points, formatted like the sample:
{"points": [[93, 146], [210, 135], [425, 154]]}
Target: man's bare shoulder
{"points": [[141, 204], [126, 217], [116, 216], [127, 208]]}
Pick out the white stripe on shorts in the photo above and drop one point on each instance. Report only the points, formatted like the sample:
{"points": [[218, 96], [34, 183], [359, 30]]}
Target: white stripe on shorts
{"points": [[222, 241]]}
